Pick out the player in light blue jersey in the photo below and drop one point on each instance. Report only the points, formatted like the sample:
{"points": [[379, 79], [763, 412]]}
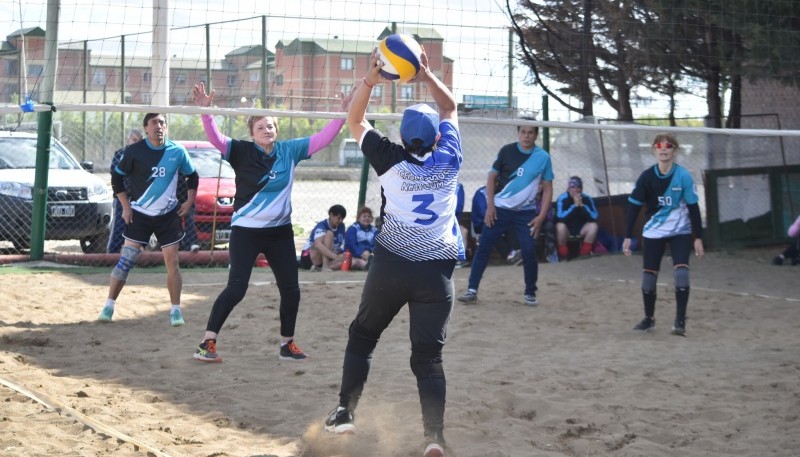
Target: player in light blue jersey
{"points": [[415, 251], [673, 217], [511, 189], [145, 181], [262, 221]]}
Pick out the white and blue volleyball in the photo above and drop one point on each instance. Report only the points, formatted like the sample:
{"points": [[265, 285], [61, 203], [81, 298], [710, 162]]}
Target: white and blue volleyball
{"points": [[401, 57]]}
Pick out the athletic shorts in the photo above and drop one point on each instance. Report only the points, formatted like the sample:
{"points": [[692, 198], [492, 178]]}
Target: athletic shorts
{"points": [[167, 228]]}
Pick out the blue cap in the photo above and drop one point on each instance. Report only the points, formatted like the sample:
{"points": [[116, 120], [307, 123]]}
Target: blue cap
{"points": [[575, 182], [420, 122]]}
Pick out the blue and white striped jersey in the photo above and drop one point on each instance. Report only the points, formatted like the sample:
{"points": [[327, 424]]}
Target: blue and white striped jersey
{"points": [[152, 173], [666, 197], [419, 197]]}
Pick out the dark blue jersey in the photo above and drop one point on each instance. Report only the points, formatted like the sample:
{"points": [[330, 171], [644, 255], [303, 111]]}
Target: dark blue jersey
{"points": [[153, 173], [518, 176], [264, 181], [667, 197], [574, 216]]}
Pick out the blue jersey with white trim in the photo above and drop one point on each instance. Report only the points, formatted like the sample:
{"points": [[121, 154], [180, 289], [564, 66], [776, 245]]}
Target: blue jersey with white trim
{"points": [[152, 173], [518, 176], [264, 181], [419, 196], [666, 197], [319, 231]]}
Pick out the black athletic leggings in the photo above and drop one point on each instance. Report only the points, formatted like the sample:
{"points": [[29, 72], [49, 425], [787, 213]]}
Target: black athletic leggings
{"points": [[277, 245], [653, 249]]}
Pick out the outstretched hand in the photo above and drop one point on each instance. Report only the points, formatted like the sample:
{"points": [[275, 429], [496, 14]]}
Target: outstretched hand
{"points": [[422, 74], [201, 98]]}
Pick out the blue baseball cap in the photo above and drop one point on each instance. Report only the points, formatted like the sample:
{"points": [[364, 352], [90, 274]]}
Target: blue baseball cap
{"points": [[420, 122]]}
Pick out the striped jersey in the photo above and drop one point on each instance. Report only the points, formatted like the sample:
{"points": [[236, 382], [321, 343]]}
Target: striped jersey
{"points": [[419, 196], [666, 197], [264, 181], [152, 175], [518, 176]]}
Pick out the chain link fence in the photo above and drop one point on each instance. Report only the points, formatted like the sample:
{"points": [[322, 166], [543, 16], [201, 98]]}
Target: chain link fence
{"points": [[79, 203]]}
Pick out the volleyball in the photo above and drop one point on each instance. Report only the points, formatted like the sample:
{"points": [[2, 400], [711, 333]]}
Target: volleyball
{"points": [[401, 56]]}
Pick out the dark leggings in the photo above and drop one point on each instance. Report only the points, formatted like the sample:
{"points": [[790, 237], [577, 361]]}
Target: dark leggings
{"points": [[427, 288], [277, 245]]}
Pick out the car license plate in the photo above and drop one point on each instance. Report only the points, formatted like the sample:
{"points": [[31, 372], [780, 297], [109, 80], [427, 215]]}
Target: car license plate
{"points": [[223, 235], [62, 210]]}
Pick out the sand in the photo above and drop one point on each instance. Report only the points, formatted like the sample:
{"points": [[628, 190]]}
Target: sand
{"points": [[566, 378]]}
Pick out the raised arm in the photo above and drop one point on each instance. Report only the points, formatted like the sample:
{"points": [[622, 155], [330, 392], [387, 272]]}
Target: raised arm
{"points": [[325, 136], [357, 114], [445, 101], [215, 137]]}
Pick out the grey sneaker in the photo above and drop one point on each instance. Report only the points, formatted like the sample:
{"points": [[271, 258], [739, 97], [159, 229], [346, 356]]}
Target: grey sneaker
{"points": [[469, 296], [530, 300]]}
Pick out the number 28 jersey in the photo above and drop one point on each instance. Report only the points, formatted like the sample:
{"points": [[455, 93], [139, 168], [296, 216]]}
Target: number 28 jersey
{"points": [[666, 197], [419, 197]]}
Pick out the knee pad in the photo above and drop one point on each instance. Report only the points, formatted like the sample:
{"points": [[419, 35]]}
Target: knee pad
{"points": [[362, 341], [426, 361], [127, 260], [649, 282], [681, 275]]}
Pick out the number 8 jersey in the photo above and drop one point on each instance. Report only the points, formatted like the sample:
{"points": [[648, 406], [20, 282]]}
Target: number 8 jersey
{"points": [[666, 197], [419, 195]]}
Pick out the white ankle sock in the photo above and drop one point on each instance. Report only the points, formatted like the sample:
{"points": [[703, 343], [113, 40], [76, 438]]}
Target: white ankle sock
{"points": [[110, 303]]}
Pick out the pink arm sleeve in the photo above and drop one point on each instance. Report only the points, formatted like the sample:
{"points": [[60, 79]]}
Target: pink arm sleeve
{"points": [[794, 230], [216, 137], [325, 136]]}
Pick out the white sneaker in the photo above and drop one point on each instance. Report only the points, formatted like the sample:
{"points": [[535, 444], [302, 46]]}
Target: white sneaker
{"points": [[194, 248], [530, 300]]}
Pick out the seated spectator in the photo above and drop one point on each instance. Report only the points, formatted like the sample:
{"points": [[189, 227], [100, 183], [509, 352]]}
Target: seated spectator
{"points": [[792, 252], [360, 240], [507, 245], [324, 250], [576, 215]]}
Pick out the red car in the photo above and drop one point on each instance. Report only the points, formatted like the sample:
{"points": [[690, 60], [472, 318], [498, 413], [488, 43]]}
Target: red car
{"points": [[216, 189]]}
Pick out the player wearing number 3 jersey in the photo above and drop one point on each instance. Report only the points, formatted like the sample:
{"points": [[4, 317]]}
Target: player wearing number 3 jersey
{"points": [[673, 217], [415, 251]]}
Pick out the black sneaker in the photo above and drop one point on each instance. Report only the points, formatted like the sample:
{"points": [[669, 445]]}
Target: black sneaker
{"points": [[777, 260], [291, 351], [434, 445], [647, 324], [795, 261], [340, 421], [679, 328]]}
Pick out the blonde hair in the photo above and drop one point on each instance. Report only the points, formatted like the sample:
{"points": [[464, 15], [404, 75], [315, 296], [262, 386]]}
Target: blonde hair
{"points": [[668, 137]]}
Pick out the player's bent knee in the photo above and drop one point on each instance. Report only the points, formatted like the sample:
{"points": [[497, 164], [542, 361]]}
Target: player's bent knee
{"points": [[649, 282], [681, 275], [362, 341], [426, 361], [127, 260]]}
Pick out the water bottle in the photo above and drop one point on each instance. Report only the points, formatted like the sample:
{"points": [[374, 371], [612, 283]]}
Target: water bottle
{"points": [[348, 260]]}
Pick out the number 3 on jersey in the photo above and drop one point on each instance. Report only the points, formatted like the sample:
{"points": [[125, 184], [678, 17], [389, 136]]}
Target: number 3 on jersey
{"points": [[425, 201]]}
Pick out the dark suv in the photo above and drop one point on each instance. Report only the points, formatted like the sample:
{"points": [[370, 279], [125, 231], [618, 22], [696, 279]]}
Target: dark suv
{"points": [[78, 202]]}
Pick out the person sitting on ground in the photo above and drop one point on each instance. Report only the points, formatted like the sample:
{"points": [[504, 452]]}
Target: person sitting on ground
{"points": [[576, 215], [360, 239], [792, 252], [325, 245]]}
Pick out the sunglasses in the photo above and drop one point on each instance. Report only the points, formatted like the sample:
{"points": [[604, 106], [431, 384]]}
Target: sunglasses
{"points": [[664, 145]]}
